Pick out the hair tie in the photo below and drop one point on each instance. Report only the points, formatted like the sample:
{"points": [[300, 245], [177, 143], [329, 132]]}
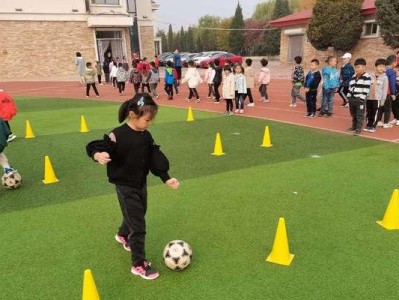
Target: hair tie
{"points": [[140, 102]]}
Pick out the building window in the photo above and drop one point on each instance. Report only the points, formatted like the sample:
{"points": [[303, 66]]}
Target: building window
{"points": [[105, 2], [370, 29], [108, 35]]}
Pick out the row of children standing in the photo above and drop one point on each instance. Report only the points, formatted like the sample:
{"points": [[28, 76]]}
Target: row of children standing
{"points": [[364, 94], [215, 76]]}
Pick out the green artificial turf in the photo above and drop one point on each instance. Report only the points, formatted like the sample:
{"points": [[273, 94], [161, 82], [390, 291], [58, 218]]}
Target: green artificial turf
{"points": [[330, 188]]}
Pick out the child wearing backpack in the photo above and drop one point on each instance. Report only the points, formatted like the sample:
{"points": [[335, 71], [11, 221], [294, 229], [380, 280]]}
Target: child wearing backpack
{"points": [[169, 80], [153, 79], [135, 78]]}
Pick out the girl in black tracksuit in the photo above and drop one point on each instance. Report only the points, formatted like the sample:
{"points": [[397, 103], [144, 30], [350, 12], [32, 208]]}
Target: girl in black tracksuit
{"points": [[130, 153]]}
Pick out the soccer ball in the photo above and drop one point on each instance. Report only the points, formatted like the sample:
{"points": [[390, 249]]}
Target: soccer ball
{"points": [[11, 180], [177, 255]]}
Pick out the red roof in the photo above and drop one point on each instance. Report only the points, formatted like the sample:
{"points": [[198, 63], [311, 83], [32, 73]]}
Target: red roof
{"points": [[300, 17], [369, 8], [304, 16]]}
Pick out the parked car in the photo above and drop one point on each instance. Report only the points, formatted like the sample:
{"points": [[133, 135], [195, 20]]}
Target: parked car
{"points": [[206, 55], [189, 56], [223, 57], [170, 58]]}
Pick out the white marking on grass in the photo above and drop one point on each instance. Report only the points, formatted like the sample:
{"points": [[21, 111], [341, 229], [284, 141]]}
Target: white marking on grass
{"points": [[315, 156], [236, 133]]}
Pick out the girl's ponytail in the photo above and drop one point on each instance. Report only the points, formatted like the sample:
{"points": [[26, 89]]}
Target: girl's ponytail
{"points": [[124, 111], [140, 104]]}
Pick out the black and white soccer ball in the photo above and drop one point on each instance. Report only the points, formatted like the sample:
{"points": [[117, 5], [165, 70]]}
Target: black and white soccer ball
{"points": [[177, 255], [12, 180]]}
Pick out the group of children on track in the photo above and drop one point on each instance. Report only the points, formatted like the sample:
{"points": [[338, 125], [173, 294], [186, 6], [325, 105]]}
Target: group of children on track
{"points": [[370, 96]]}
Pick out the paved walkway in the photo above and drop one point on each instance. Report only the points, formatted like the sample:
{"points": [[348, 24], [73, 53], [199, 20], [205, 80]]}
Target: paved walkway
{"points": [[277, 110]]}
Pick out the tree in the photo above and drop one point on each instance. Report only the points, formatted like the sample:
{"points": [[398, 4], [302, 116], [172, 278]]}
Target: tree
{"points": [[264, 11], [164, 39], [189, 37], [336, 24], [183, 42], [307, 4], [388, 19], [208, 36], [281, 9], [170, 38], [255, 39], [222, 38], [272, 35], [236, 37]]}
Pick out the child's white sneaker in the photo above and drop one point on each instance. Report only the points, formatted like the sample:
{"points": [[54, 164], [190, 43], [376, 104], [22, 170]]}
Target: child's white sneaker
{"points": [[380, 124], [389, 125]]}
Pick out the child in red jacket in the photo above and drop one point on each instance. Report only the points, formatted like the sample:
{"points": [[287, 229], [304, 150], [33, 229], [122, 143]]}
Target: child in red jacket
{"points": [[7, 111]]}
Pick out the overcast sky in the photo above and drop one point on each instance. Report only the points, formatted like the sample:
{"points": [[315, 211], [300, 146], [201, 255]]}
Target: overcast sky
{"points": [[187, 12]]}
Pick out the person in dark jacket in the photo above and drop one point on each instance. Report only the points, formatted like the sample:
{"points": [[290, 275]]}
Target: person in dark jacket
{"points": [[312, 82], [217, 79], [347, 71], [130, 153], [391, 101]]}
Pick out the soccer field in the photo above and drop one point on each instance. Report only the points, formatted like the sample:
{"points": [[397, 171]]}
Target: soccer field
{"points": [[330, 188]]}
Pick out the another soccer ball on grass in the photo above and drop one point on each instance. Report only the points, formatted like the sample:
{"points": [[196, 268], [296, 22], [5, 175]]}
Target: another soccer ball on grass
{"points": [[177, 255], [11, 180]]}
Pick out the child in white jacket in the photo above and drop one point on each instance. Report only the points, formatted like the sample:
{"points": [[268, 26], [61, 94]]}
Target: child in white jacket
{"points": [[209, 75], [228, 91], [193, 78], [241, 88]]}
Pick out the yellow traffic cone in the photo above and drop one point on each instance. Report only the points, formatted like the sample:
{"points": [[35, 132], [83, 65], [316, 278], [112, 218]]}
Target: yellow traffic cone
{"points": [[29, 132], [49, 175], [89, 287], [266, 139], [391, 216], [281, 253], [218, 150], [190, 116], [83, 124]]}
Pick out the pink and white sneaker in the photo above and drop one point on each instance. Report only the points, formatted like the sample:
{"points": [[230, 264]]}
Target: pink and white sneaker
{"points": [[124, 241], [144, 270]]}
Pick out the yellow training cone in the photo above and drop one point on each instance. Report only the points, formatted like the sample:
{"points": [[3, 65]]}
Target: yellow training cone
{"points": [[29, 132], [280, 253], [89, 287], [391, 216], [218, 150], [266, 139], [190, 116], [49, 175], [83, 124]]}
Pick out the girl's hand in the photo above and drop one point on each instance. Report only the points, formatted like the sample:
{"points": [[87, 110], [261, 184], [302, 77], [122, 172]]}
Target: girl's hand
{"points": [[102, 158], [173, 183]]}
